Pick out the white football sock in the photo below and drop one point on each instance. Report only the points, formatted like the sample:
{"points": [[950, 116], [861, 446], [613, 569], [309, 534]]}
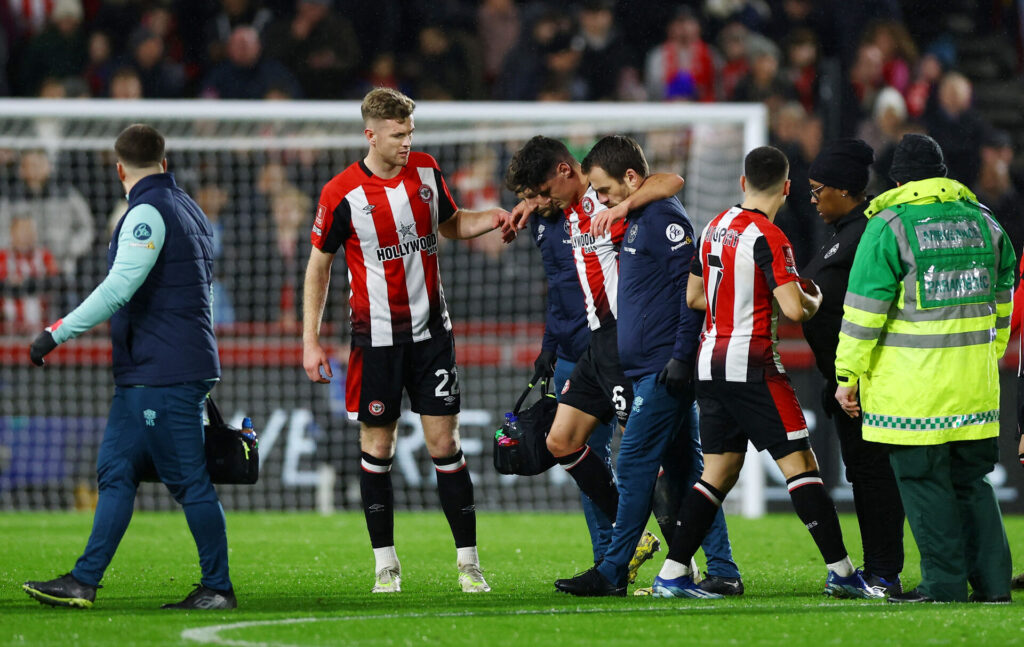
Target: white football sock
{"points": [[384, 557], [672, 569], [467, 555], [843, 568]]}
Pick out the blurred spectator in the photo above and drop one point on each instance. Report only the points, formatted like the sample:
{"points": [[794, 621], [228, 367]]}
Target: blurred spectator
{"points": [[995, 187], [381, 74], [498, 30], [100, 68], [59, 51], [125, 84], [60, 211], [290, 211], [763, 83], [52, 88], [26, 19], [922, 90], [802, 66], [899, 54], [683, 66], [605, 53], [377, 24], [444, 67], [247, 74], [865, 81], [732, 43], [887, 126], [29, 277], [888, 119], [319, 46], [957, 127], [212, 199], [233, 15], [161, 78], [528, 67], [799, 136], [752, 14]]}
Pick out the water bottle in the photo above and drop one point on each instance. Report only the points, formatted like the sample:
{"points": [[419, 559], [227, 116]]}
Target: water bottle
{"points": [[510, 437], [247, 429]]}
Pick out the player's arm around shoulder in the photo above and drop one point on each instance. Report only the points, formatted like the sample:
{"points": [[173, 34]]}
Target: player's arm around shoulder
{"points": [[469, 224], [659, 186]]}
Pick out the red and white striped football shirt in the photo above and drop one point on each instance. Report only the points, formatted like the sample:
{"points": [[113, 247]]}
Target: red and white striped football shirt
{"points": [[742, 258], [389, 232], [597, 260]]}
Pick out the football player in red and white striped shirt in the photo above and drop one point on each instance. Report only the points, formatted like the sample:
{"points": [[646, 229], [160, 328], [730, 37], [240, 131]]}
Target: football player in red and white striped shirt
{"points": [[742, 273], [597, 390], [385, 212]]}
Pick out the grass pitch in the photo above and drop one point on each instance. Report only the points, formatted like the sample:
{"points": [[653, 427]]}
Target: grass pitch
{"points": [[304, 580]]}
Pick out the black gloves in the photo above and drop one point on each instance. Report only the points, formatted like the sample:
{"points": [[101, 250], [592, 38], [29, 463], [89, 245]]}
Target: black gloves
{"points": [[42, 345], [544, 365], [677, 376]]}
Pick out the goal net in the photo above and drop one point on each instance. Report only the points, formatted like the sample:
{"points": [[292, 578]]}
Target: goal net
{"points": [[256, 169]]}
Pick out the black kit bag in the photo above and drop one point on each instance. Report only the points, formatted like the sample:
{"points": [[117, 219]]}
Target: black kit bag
{"points": [[232, 455], [520, 446]]}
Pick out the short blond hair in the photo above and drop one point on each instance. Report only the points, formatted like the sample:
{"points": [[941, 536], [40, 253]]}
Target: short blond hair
{"points": [[387, 103]]}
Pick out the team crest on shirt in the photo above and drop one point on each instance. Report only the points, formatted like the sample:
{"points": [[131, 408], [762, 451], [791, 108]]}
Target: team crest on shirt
{"points": [[787, 254], [142, 231], [376, 407], [833, 250], [566, 227], [632, 233], [588, 206], [675, 233], [565, 389], [425, 192]]}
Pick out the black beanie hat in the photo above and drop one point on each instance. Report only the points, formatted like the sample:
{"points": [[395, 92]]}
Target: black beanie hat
{"points": [[843, 164], [917, 157]]}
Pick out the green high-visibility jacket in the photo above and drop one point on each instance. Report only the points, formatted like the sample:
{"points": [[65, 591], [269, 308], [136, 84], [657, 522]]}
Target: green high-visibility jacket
{"points": [[927, 316]]}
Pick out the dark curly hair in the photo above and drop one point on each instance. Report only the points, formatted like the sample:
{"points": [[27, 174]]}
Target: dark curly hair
{"points": [[535, 162]]}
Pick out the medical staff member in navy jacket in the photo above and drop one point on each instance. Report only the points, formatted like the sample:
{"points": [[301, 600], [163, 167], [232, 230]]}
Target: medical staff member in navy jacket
{"points": [[158, 297], [566, 336], [658, 336]]}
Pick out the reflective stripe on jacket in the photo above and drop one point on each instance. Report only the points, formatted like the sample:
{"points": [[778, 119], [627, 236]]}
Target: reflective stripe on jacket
{"points": [[926, 316]]}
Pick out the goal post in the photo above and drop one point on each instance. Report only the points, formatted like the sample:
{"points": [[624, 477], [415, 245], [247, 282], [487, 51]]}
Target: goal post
{"points": [[256, 168]]}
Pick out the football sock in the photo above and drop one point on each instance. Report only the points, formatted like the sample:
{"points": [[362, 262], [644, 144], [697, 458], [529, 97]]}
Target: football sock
{"points": [[816, 510], [697, 513], [593, 478], [378, 500], [467, 555], [455, 489], [843, 568], [672, 569], [384, 557]]}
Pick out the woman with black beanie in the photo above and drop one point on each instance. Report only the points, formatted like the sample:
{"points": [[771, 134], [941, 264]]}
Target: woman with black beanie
{"points": [[838, 178]]}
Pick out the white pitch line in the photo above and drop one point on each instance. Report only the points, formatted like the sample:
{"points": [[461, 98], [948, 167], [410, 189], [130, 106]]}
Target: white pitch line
{"points": [[211, 634]]}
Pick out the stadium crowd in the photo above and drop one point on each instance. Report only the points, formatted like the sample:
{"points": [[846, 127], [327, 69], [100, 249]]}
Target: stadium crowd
{"points": [[892, 68]]}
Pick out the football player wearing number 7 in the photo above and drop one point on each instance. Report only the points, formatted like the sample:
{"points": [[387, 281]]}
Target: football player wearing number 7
{"points": [[742, 274]]}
